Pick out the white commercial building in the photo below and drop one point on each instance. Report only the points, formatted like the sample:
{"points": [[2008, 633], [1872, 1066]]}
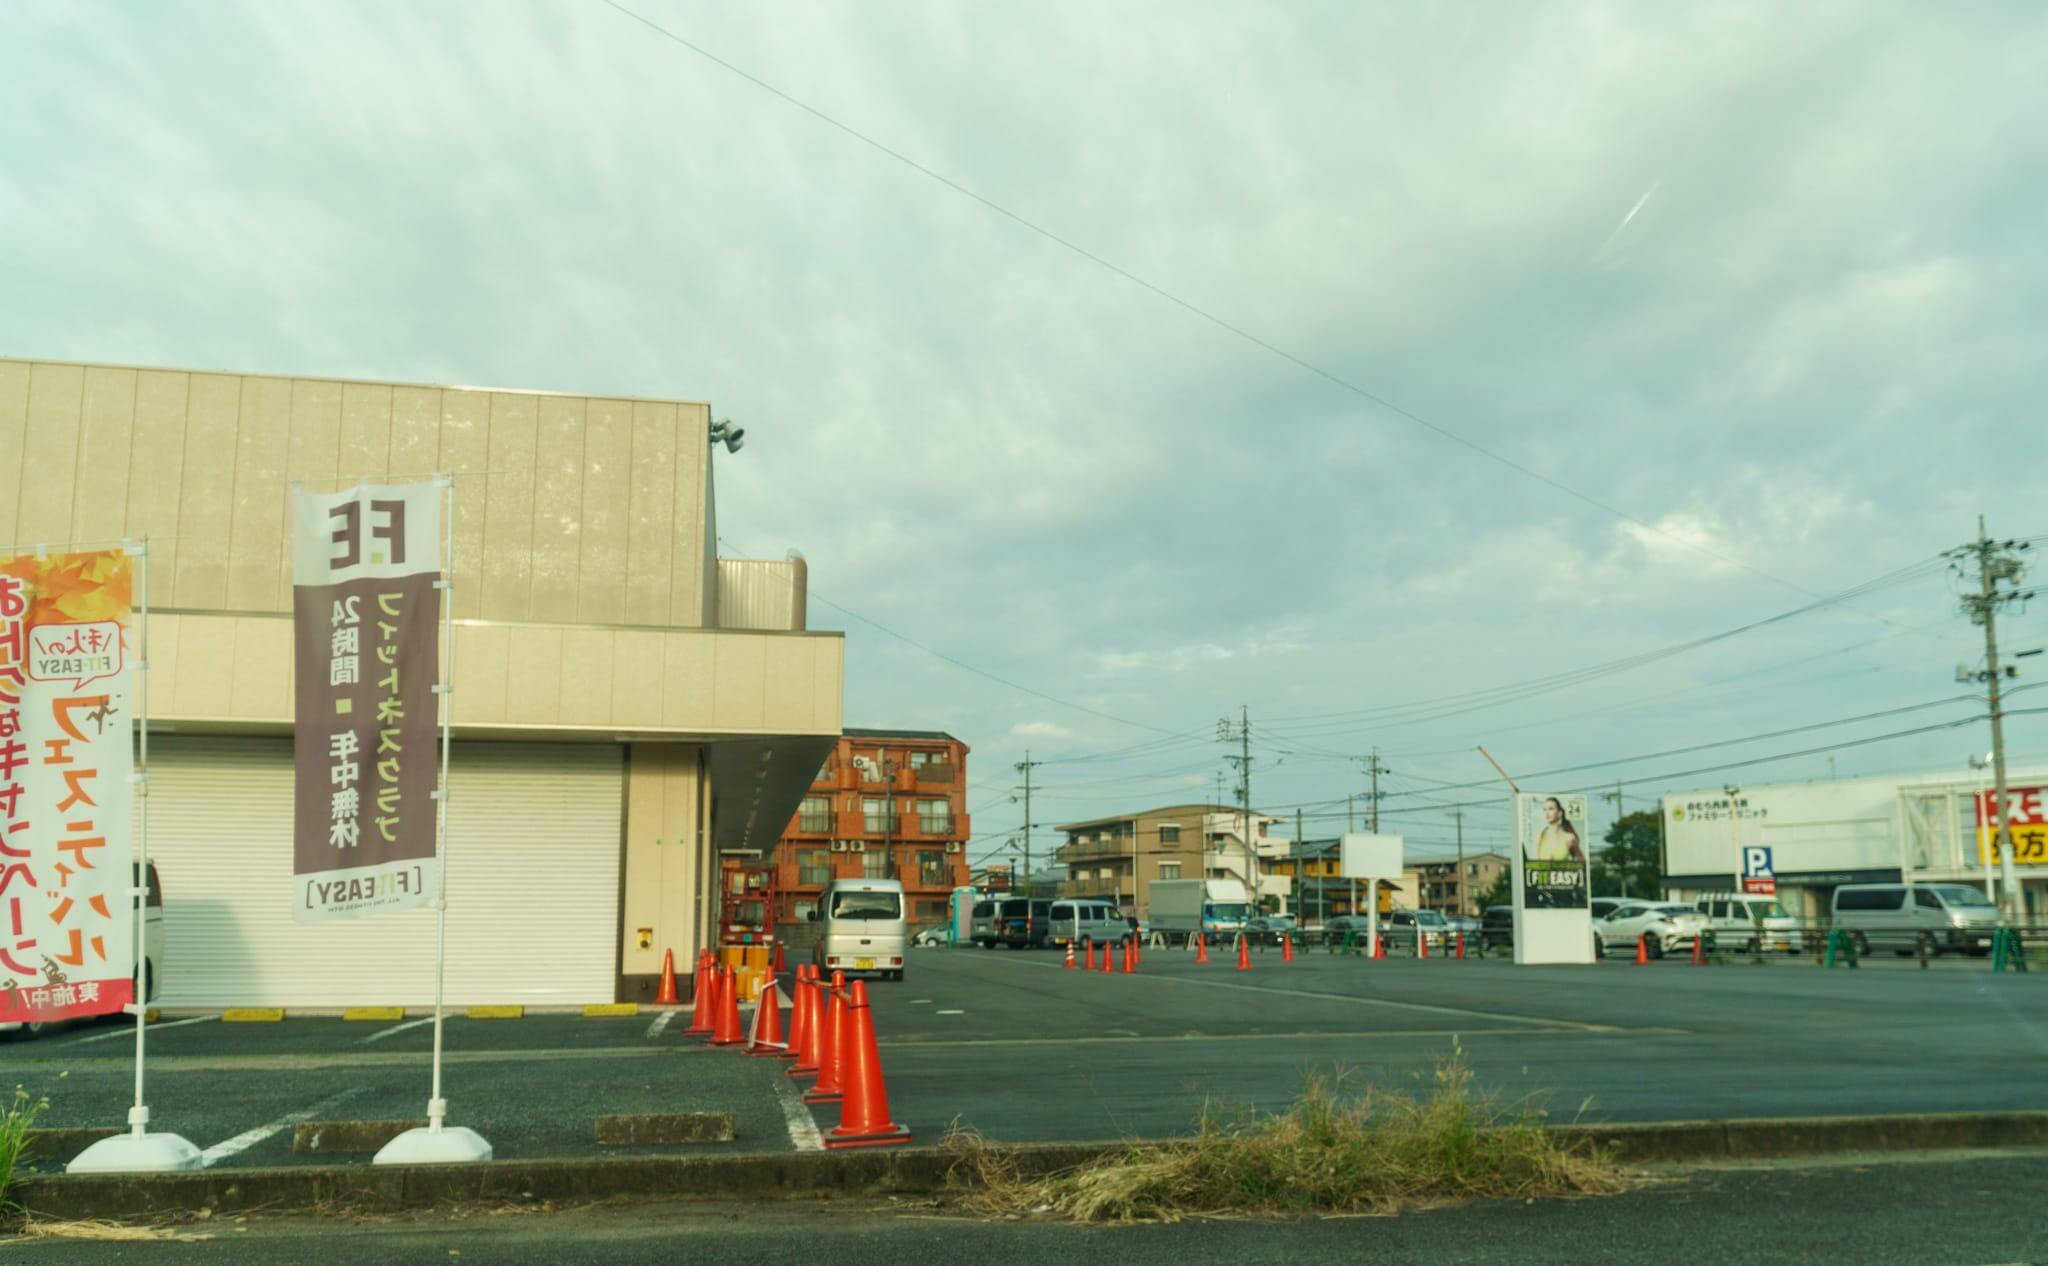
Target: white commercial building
{"points": [[1917, 828]]}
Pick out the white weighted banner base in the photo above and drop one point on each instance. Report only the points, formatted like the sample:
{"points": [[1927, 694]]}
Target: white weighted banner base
{"points": [[136, 1154], [426, 1145]]}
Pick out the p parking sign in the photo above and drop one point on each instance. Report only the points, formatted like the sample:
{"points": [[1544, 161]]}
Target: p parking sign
{"points": [[1757, 875]]}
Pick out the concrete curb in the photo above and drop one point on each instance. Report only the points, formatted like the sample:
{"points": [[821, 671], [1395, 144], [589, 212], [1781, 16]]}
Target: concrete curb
{"points": [[906, 1171]]}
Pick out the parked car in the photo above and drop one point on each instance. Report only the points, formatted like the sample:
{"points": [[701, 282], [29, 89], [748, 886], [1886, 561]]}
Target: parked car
{"points": [[1746, 921], [1023, 922], [1336, 929], [1071, 922], [936, 935], [149, 972], [1411, 927], [1497, 928], [1955, 917], [1604, 906], [861, 927], [1660, 926], [1267, 929], [1464, 923], [981, 923]]}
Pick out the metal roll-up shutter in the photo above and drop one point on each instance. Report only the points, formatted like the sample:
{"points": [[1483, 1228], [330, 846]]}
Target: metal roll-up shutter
{"points": [[533, 883]]}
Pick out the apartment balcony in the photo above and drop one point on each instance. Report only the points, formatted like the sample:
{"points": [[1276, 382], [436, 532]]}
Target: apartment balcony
{"points": [[1105, 888]]}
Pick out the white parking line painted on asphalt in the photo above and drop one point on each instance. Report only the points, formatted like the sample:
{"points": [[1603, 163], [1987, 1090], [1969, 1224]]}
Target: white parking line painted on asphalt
{"points": [[920, 1002], [1498, 1016], [128, 1030], [660, 1023], [804, 1135], [381, 1034], [249, 1138], [949, 1013]]}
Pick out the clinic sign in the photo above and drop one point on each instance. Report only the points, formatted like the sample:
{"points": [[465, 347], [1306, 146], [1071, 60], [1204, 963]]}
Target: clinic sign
{"points": [[366, 619], [67, 764], [2026, 815]]}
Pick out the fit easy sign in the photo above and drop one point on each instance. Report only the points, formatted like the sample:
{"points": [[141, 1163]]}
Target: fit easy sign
{"points": [[1757, 874]]}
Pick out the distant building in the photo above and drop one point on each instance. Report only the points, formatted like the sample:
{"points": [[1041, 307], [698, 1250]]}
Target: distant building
{"points": [[1317, 892], [887, 804], [1455, 887], [1119, 857]]}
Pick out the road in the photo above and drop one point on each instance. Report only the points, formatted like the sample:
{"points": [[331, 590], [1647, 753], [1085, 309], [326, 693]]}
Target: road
{"points": [[1945, 1209], [1020, 1049]]}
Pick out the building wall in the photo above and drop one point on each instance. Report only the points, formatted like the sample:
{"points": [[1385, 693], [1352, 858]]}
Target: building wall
{"points": [[568, 509], [1121, 846], [845, 788]]}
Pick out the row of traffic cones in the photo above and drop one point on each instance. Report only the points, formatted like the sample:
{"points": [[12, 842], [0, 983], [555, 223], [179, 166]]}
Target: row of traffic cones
{"points": [[831, 1038]]}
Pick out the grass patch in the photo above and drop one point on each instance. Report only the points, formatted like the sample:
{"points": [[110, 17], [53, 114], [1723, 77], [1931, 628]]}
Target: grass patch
{"points": [[1333, 1152], [15, 1120]]}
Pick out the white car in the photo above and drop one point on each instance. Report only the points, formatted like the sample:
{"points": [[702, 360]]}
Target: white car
{"points": [[1660, 926]]}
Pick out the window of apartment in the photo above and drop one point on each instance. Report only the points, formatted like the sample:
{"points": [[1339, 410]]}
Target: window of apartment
{"points": [[1169, 833], [814, 814], [934, 817], [918, 760], [880, 815], [1169, 870], [931, 867], [813, 867], [1105, 872], [802, 909], [874, 864]]}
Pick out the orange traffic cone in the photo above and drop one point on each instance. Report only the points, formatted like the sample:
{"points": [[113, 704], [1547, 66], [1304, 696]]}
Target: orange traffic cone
{"points": [[766, 1039], [1421, 942], [832, 1056], [1286, 948], [864, 1112], [1130, 956], [1201, 947], [1379, 947], [703, 998], [799, 1014], [1699, 951], [1137, 950], [666, 995], [811, 1059], [1107, 966], [1643, 949], [725, 1031], [1070, 956], [779, 966], [1461, 945], [1244, 953]]}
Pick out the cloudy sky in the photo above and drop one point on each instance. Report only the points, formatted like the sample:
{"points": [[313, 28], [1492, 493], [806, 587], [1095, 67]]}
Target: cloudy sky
{"points": [[1439, 373]]}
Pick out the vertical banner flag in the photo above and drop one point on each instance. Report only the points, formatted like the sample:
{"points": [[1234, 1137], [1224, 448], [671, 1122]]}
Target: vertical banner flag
{"points": [[366, 620], [1553, 855], [67, 759]]}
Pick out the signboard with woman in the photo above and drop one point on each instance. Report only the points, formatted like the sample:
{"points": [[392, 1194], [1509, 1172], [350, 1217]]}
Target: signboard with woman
{"points": [[1553, 921]]}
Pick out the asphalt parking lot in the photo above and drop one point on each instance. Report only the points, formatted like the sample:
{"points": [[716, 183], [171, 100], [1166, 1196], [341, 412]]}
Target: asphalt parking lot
{"points": [[1020, 1049]]}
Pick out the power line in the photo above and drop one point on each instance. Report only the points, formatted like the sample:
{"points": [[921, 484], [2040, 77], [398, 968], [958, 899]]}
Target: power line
{"points": [[1204, 314]]}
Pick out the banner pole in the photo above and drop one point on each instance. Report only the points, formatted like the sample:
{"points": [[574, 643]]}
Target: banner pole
{"points": [[437, 1107], [139, 1149], [138, 1119]]}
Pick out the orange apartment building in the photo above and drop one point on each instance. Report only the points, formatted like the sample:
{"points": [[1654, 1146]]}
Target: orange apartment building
{"points": [[888, 804]]}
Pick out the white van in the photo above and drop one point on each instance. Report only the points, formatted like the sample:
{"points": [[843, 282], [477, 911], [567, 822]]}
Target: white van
{"points": [[1084, 919], [861, 927], [1894, 916], [1739, 919], [981, 924]]}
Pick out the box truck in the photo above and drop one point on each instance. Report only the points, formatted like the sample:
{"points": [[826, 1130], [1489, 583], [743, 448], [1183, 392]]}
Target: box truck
{"points": [[1179, 908]]}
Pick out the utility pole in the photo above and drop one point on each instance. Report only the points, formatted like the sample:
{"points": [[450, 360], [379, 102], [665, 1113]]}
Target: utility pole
{"points": [[1025, 767], [1614, 798], [1373, 768], [1997, 562], [1243, 761], [1299, 886], [1464, 905]]}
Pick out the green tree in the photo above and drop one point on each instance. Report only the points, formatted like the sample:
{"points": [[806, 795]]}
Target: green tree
{"points": [[1628, 866], [1501, 893]]}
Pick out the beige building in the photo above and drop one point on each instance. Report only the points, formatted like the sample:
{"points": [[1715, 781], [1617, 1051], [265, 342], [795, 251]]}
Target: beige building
{"points": [[1119, 857], [627, 705]]}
